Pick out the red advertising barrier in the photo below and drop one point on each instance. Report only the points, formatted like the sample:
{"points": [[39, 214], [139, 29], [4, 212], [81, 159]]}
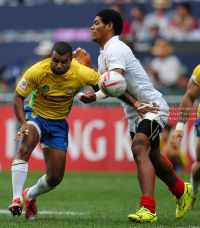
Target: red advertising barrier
{"points": [[99, 140]]}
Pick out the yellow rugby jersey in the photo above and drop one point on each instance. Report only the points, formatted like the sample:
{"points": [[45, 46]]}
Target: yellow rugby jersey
{"points": [[195, 78], [52, 95]]}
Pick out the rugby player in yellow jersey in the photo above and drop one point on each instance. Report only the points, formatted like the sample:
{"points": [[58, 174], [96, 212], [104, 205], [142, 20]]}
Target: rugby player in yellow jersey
{"points": [[192, 93], [53, 82]]}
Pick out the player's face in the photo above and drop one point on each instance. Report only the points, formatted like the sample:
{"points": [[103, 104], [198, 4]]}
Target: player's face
{"points": [[60, 63], [99, 32]]}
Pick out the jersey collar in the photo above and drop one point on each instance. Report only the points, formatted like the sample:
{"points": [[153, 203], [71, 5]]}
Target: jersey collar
{"points": [[108, 42]]}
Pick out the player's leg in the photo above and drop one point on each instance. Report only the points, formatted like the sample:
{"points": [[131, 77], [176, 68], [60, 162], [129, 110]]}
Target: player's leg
{"points": [[55, 160], [20, 167], [54, 144], [195, 174], [164, 170], [141, 147]]}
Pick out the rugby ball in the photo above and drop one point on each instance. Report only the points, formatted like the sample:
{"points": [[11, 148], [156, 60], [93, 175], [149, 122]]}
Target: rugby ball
{"points": [[112, 84]]}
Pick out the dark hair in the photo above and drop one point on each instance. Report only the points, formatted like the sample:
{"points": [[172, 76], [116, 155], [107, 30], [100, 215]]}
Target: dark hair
{"points": [[141, 9], [109, 15], [62, 48], [186, 5]]}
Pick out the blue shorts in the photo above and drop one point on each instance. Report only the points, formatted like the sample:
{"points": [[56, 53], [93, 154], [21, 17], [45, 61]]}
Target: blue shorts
{"points": [[197, 128], [54, 133]]}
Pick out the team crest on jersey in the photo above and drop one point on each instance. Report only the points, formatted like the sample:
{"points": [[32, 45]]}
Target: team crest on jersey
{"points": [[105, 64], [69, 90], [46, 88]]}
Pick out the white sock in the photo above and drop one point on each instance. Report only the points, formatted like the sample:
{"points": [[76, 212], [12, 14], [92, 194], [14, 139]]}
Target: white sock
{"points": [[195, 185], [19, 173], [40, 188]]}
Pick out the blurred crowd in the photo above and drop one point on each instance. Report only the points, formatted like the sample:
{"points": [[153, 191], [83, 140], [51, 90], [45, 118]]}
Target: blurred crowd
{"points": [[160, 27], [10, 76], [163, 22], [60, 2]]}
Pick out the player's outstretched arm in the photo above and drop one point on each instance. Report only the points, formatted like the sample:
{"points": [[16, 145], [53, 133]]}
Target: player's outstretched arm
{"points": [[193, 91], [18, 104]]}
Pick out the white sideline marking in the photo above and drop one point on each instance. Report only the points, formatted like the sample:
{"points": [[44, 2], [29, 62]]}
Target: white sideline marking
{"points": [[6, 212]]}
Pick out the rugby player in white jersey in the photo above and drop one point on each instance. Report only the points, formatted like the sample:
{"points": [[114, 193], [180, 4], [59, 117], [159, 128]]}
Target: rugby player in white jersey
{"points": [[117, 56]]}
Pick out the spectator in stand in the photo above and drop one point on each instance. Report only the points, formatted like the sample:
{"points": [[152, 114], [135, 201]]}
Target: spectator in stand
{"points": [[176, 156], [154, 33], [139, 26], [126, 23], [185, 31], [160, 15], [165, 68], [182, 11], [44, 49]]}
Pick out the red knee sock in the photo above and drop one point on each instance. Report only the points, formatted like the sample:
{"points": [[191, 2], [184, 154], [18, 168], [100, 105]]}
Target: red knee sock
{"points": [[148, 203], [178, 188], [166, 159]]}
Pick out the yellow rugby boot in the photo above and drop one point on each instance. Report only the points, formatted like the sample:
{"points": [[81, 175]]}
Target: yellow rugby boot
{"points": [[185, 200], [194, 198], [143, 215]]}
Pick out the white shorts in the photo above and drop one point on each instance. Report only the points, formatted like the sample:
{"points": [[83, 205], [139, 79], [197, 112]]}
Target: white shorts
{"points": [[161, 118]]}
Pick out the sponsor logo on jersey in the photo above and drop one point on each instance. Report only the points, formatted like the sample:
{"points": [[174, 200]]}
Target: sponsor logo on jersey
{"points": [[46, 88], [23, 84], [58, 87], [55, 98], [69, 90]]}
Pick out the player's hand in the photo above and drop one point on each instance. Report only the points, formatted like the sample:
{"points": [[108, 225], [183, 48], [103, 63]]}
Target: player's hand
{"points": [[23, 130], [87, 97], [82, 57], [176, 137], [154, 108]]}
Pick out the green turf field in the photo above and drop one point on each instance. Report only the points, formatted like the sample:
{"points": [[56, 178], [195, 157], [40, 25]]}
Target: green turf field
{"points": [[94, 200]]}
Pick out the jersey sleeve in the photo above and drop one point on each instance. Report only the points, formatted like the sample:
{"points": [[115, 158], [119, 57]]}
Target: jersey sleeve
{"points": [[116, 59], [195, 78], [88, 76], [28, 82]]}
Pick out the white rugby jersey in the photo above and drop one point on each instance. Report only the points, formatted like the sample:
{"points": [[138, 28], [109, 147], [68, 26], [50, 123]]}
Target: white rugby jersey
{"points": [[116, 54]]}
